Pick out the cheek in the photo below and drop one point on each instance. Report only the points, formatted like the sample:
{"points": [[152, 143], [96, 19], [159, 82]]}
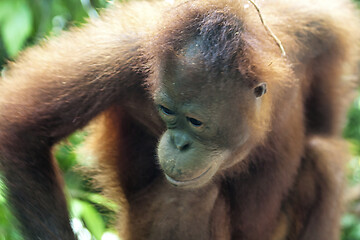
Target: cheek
{"points": [[196, 163], [238, 155], [234, 134], [238, 139]]}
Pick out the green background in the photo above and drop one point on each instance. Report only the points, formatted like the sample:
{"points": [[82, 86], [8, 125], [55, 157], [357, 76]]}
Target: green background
{"points": [[24, 23]]}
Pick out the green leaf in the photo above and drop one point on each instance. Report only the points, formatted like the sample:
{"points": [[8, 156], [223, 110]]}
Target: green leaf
{"points": [[17, 28], [95, 198], [354, 233], [91, 218], [5, 8], [78, 137], [103, 201], [75, 208], [348, 220], [93, 221], [65, 151]]}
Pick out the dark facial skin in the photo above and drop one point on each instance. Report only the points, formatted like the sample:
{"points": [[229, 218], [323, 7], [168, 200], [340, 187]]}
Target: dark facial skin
{"points": [[206, 117]]}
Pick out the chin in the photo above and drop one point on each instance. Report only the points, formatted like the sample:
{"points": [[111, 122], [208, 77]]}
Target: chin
{"points": [[196, 182]]}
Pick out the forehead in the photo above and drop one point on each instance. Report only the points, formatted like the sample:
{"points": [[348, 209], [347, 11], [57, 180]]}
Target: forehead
{"points": [[187, 74]]}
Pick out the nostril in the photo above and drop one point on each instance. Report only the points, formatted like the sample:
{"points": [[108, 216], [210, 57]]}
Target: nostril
{"points": [[183, 147], [181, 141]]}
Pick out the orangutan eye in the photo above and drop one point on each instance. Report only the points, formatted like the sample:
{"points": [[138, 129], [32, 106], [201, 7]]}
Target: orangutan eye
{"points": [[194, 122], [166, 110]]}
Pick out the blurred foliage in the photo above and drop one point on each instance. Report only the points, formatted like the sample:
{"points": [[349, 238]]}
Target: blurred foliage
{"points": [[351, 219], [23, 23]]}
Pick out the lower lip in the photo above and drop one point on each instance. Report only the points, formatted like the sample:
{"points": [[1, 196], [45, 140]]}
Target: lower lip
{"points": [[186, 182]]}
